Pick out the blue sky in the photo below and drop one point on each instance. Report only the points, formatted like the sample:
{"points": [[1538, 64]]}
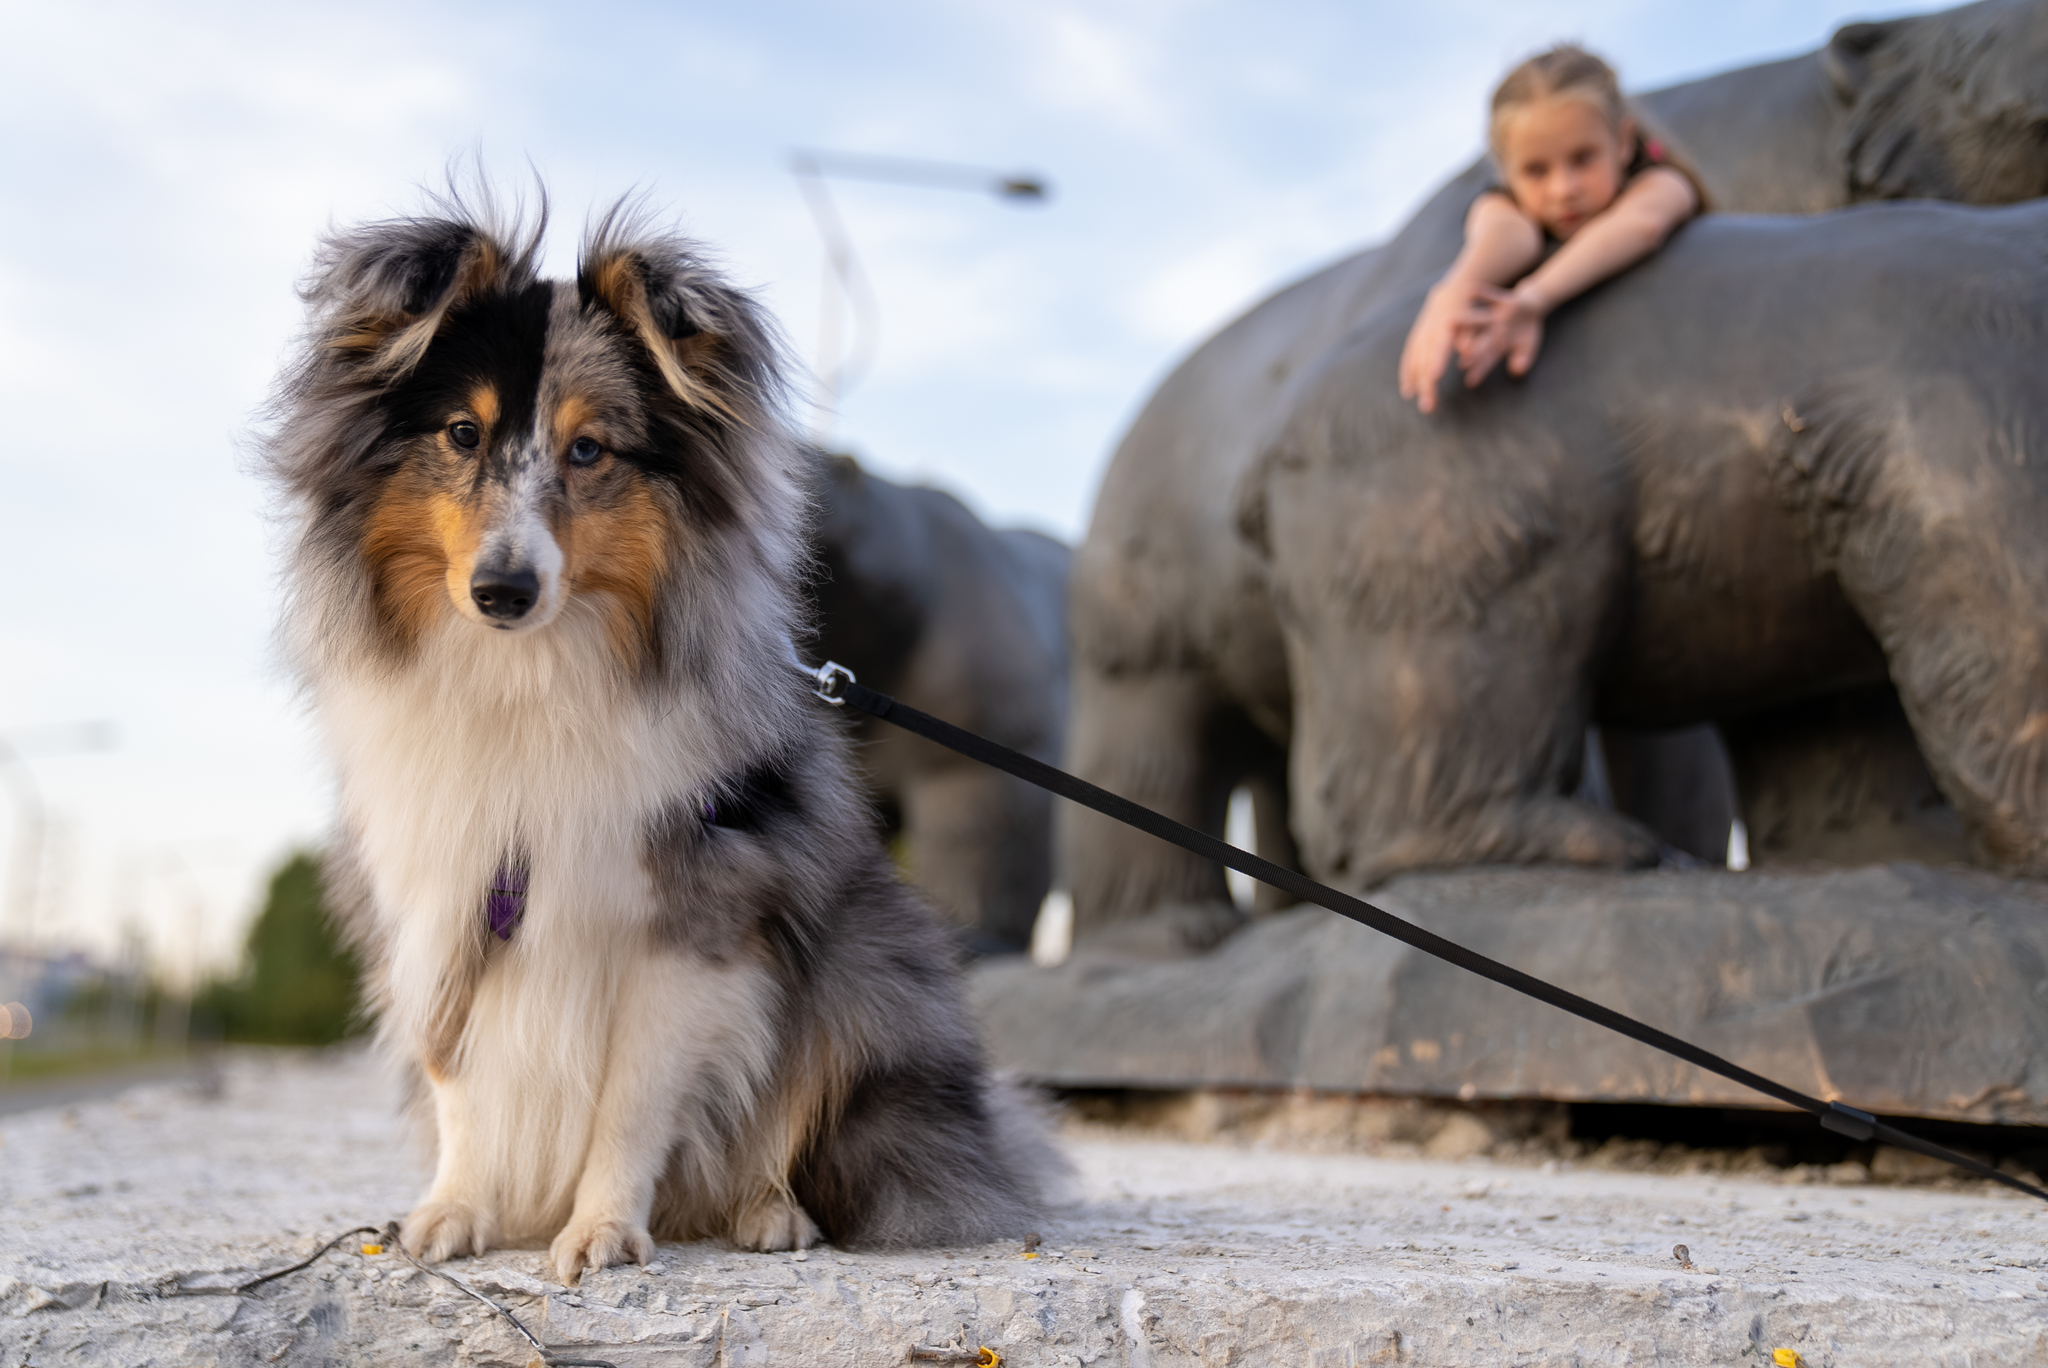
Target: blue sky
{"points": [[167, 168]]}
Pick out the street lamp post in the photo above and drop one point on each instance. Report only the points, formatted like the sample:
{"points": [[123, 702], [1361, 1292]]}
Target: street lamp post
{"points": [[844, 282]]}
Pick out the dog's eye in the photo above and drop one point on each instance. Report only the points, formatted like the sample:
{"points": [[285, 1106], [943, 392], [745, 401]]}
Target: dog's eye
{"points": [[584, 451], [464, 435]]}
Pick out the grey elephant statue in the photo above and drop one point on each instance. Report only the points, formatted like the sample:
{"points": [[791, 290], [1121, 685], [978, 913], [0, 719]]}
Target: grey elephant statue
{"points": [[1182, 687], [922, 600], [1783, 459]]}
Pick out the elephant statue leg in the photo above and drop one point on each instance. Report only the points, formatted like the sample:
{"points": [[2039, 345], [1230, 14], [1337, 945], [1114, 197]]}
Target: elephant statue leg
{"points": [[1150, 737], [1444, 606], [1840, 779], [1938, 547], [1410, 753], [980, 843]]}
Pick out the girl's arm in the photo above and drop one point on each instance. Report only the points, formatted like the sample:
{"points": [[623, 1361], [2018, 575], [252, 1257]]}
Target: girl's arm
{"points": [[1501, 242], [1617, 237]]}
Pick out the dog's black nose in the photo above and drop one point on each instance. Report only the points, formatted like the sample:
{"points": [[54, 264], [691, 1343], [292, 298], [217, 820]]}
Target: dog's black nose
{"points": [[504, 594]]}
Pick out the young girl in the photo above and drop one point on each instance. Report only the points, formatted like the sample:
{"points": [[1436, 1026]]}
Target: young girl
{"points": [[1576, 176]]}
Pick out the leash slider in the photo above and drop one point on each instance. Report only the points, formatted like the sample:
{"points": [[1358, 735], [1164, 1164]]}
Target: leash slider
{"points": [[1857, 1125]]}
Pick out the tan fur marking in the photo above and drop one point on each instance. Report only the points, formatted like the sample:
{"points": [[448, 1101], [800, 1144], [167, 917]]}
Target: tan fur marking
{"points": [[483, 402], [571, 416], [450, 1020], [618, 283], [438, 1052], [403, 553], [814, 1087], [401, 340], [620, 551], [419, 545], [460, 535], [370, 333], [698, 352]]}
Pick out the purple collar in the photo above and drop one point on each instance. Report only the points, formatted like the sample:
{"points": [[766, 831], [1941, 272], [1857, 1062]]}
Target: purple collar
{"points": [[506, 902]]}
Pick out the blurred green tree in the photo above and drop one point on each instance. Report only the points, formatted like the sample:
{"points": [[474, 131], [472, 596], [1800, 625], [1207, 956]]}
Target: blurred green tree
{"points": [[298, 983]]}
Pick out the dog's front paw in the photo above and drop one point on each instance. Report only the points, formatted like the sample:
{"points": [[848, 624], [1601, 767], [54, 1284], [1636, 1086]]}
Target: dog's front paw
{"points": [[774, 1223], [443, 1230], [597, 1243]]}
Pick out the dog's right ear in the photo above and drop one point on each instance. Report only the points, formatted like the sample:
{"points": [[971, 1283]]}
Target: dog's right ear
{"points": [[382, 290]]}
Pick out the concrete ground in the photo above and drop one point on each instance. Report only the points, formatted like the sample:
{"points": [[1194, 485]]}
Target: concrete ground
{"points": [[1169, 1253]]}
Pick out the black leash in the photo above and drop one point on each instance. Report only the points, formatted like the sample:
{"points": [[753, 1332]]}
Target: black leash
{"points": [[836, 685], [243, 1289]]}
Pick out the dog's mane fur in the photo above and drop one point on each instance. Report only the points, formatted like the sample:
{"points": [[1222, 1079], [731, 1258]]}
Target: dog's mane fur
{"points": [[710, 917]]}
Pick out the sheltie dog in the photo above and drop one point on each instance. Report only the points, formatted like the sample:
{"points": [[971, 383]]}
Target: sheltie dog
{"points": [[623, 908]]}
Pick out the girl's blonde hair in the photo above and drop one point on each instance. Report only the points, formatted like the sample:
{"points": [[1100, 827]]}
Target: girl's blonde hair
{"points": [[1566, 69]]}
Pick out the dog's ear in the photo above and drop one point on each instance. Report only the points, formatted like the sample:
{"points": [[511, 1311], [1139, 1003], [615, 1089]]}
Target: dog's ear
{"points": [[708, 340], [384, 289]]}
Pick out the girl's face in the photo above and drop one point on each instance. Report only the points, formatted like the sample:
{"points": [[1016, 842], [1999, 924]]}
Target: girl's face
{"points": [[1563, 161]]}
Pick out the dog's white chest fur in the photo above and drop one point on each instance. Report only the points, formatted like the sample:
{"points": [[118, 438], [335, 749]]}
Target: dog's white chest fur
{"points": [[490, 748]]}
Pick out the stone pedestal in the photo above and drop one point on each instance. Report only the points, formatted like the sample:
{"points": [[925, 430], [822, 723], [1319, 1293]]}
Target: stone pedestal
{"points": [[1899, 989]]}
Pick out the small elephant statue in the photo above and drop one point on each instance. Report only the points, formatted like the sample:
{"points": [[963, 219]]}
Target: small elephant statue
{"points": [[920, 599]]}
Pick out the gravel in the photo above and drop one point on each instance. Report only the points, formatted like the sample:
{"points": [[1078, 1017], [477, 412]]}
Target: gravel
{"points": [[1167, 1254]]}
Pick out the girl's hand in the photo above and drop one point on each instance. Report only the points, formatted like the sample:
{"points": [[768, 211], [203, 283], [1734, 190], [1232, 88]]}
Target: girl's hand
{"points": [[1501, 243], [1451, 310], [1506, 323]]}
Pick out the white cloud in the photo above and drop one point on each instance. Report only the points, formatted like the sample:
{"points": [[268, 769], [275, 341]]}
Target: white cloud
{"points": [[1104, 69]]}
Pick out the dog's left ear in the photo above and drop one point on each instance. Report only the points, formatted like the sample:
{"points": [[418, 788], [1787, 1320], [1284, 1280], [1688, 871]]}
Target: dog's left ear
{"points": [[706, 338], [384, 288]]}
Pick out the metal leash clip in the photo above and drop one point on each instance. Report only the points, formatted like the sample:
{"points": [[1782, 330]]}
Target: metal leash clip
{"points": [[830, 676]]}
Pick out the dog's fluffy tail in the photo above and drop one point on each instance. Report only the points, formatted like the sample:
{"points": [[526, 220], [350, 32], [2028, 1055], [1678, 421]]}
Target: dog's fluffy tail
{"points": [[933, 1158], [1022, 1122]]}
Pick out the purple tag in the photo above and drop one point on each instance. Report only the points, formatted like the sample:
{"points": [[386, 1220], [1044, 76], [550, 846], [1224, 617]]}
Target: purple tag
{"points": [[709, 811], [506, 903]]}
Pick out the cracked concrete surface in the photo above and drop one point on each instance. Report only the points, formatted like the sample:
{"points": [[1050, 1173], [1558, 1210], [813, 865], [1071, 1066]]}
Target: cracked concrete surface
{"points": [[1170, 1254]]}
